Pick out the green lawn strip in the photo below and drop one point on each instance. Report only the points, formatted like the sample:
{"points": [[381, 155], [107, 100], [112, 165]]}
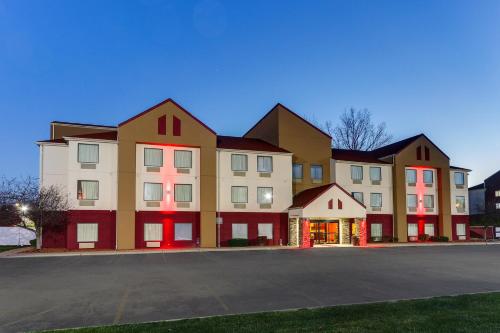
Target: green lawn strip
{"points": [[466, 313], [8, 247]]}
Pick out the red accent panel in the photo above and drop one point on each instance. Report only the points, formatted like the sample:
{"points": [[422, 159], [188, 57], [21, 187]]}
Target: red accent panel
{"points": [[363, 239], [279, 221], [419, 153], [427, 153], [54, 237], [339, 203], [456, 219], [168, 219], [176, 126], [330, 204], [479, 231], [162, 125], [106, 230], [305, 241], [384, 219]]}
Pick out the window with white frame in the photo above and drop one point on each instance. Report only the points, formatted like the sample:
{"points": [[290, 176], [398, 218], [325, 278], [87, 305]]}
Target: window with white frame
{"points": [[86, 232], [376, 231], [153, 157], [153, 232], [411, 201], [239, 194], [183, 192], [428, 201], [265, 229], [297, 171], [358, 196], [264, 164], [356, 173], [497, 193], [88, 153], [264, 195], [429, 229], [239, 231], [461, 231], [317, 172], [375, 174], [428, 176], [459, 178], [239, 162], [87, 190], [153, 191], [376, 200], [460, 203], [183, 231], [412, 230], [411, 176], [183, 159], [497, 205]]}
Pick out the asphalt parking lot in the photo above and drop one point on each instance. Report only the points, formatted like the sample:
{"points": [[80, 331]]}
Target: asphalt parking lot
{"points": [[59, 292]]}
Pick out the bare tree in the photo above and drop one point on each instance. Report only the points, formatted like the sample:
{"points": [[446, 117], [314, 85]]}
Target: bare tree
{"points": [[23, 202], [357, 132]]}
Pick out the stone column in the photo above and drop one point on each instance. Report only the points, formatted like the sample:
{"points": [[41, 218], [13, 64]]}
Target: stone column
{"points": [[345, 231], [293, 231]]}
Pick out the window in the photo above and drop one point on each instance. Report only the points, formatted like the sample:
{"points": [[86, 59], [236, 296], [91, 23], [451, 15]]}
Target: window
{"points": [[461, 234], [88, 153], [497, 194], [411, 200], [265, 229], [460, 203], [182, 159], [459, 178], [376, 200], [298, 171], [428, 177], [240, 230], [356, 173], [264, 195], [375, 174], [317, 172], [376, 231], [86, 232], [239, 194], [497, 205], [428, 201], [412, 230], [358, 196], [429, 229], [153, 232], [183, 231], [153, 191], [182, 192], [411, 176], [264, 164], [87, 190], [239, 162], [153, 157]]}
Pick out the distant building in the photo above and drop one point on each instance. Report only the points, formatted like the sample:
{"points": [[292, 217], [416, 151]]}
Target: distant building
{"points": [[484, 200]]}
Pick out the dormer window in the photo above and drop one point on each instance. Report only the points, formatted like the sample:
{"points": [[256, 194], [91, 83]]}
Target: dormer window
{"points": [[88, 153]]}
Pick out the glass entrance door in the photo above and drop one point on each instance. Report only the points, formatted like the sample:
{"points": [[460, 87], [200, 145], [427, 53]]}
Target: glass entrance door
{"points": [[324, 232]]}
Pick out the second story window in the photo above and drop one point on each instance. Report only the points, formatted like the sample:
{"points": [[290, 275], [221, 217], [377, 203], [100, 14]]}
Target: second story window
{"points": [[183, 193], [265, 164], [376, 200], [428, 201], [239, 194], [297, 171], [317, 173], [264, 195], [497, 193], [428, 177], [153, 157], [239, 162], [411, 177], [411, 202], [375, 175], [88, 153], [357, 174], [460, 204], [182, 159], [153, 192], [88, 190], [459, 178], [358, 196]]}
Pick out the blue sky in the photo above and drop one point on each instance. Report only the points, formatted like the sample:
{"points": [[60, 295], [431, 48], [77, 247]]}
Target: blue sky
{"points": [[420, 66]]}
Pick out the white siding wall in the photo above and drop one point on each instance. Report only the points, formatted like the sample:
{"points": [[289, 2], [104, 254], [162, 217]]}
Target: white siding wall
{"points": [[54, 165], [341, 174], [454, 191], [168, 176], [280, 181]]}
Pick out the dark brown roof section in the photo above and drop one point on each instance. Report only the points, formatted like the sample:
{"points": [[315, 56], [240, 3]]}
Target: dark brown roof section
{"points": [[356, 156], [477, 187], [293, 113], [459, 168], [52, 141], [111, 135], [304, 198], [396, 147], [80, 124], [239, 143]]}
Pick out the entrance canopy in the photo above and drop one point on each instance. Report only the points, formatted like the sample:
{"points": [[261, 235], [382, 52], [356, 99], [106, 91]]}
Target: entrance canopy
{"points": [[326, 202]]}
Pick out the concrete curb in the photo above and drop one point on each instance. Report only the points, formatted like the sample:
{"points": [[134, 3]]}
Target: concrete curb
{"points": [[14, 252]]}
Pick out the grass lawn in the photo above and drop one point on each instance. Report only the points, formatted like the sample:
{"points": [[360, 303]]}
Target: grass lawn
{"points": [[467, 313], [8, 247]]}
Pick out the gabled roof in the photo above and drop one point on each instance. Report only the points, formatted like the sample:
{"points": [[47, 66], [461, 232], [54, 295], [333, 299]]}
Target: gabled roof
{"points": [[396, 147], [477, 187], [239, 143], [80, 124], [493, 176], [293, 113], [356, 156], [168, 100], [304, 198], [459, 168]]}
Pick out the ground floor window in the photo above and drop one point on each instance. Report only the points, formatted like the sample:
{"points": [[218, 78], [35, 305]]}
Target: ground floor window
{"points": [[461, 231], [265, 229], [86, 232], [240, 231], [412, 231], [429, 229], [183, 231], [376, 232], [153, 232]]}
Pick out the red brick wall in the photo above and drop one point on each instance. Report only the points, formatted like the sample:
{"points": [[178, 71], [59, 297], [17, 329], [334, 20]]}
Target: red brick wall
{"points": [[385, 219], [421, 221], [106, 230], [455, 219]]}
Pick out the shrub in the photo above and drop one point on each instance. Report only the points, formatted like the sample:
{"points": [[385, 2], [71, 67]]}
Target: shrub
{"points": [[438, 239], [423, 237], [33, 242], [261, 240], [235, 242]]}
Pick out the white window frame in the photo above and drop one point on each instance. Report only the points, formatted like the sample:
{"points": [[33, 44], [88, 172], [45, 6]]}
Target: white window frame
{"points": [[455, 177], [239, 225], [461, 236], [412, 171], [262, 170], [147, 235], [497, 205], [87, 144], [408, 201], [456, 203], [233, 156], [93, 239], [362, 197], [301, 171], [371, 200], [427, 227], [431, 172], [183, 224], [377, 225], [79, 184], [153, 165], [379, 173], [320, 167], [263, 230], [352, 173], [177, 151], [497, 193], [144, 191], [429, 195], [414, 225], [190, 192], [239, 187], [266, 201]]}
